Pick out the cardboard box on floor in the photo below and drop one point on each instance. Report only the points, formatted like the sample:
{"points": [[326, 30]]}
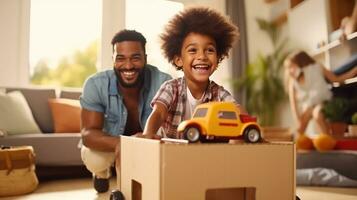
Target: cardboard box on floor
{"points": [[151, 170]]}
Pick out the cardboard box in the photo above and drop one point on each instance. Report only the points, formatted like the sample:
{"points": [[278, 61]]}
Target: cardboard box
{"points": [[151, 170], [271, 133]]}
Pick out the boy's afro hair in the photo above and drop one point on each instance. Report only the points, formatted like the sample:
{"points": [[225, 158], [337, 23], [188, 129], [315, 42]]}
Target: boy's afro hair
{"points": [[200, 20]]}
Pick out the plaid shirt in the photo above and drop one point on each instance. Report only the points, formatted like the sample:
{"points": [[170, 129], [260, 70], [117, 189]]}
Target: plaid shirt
{"points": [[172, 94]]}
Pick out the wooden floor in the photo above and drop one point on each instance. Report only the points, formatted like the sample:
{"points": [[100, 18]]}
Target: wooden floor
{"points": [[326, 193], [78, 189]]}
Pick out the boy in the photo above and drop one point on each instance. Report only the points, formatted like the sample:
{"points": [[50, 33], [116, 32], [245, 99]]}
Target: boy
{"points": [[194, 41]]}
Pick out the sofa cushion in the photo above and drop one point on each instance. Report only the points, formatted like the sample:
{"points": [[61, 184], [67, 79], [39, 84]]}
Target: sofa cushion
{"points": [[37, 98], [70, 94], [66, 114], [50, 149], [15, 114]]}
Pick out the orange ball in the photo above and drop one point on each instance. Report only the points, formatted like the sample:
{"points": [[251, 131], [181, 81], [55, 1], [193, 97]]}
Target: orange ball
{"points": [[304, 142], [324, 142]]}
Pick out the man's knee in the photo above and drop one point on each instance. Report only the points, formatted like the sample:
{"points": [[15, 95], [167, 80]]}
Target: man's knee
{"points": [[97, 161]]}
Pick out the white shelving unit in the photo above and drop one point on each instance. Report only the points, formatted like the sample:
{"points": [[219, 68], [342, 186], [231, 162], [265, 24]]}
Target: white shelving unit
{"points": [[336, 53], [310, 26]]}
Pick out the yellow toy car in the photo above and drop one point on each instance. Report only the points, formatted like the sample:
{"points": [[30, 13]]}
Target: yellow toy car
{"points": [[219, 120]]}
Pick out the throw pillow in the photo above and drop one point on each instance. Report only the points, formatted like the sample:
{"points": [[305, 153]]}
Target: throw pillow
{"points": [[15, 114], [66, 114]]}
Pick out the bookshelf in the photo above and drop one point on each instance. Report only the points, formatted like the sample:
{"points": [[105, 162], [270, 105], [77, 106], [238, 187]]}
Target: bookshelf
{"points": [[335, 53]]}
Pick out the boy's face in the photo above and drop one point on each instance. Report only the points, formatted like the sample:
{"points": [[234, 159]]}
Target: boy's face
{"points": [[198, 57], [129, 60]]}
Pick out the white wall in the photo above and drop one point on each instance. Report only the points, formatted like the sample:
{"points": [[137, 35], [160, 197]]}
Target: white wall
{"points": [[309, 24], [113, 20], [216, 4], [278, 8], [258, 41], [14, 40]]}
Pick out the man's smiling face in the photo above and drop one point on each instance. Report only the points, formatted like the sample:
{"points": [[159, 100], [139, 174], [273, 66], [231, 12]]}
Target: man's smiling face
{"points": [[129, 60]]}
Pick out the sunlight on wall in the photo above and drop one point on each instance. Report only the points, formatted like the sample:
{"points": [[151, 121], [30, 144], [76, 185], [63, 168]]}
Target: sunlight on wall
{"points": [[149, 18]]}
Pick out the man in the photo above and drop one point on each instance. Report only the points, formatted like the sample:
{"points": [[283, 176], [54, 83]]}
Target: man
{"points": [[117, 102]]}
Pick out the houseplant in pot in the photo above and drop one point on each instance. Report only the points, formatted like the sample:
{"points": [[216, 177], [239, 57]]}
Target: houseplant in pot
{"points": [[335, 111], [352, 128], [262, 82]]}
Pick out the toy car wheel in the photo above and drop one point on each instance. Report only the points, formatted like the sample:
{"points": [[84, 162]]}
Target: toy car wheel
{"points": [[192, 134], [116, 195], [252, 135]]}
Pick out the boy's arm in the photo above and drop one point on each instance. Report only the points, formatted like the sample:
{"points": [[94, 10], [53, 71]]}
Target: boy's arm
{"points": [[155, 120]]}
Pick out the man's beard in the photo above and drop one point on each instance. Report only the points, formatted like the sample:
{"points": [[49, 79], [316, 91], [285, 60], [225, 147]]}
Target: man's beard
{"points": [[139, 80]]}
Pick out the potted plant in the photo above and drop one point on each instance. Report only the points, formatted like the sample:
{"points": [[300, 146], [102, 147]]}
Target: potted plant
{"points": [[335, 111], [262, 80], [352, 128]]}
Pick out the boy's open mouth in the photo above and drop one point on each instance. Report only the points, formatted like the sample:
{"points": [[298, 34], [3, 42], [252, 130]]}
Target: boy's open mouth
{"points": [[201, 67]]}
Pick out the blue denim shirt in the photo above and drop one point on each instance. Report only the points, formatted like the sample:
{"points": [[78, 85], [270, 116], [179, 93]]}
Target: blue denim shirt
{"points": [[100, 94]]}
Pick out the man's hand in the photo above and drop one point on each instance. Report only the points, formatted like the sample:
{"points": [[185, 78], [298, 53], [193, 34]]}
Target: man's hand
{"points": [[147, 136], [138, 134]]}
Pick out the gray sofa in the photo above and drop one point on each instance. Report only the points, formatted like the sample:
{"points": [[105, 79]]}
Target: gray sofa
{"points": [[50, 149]]}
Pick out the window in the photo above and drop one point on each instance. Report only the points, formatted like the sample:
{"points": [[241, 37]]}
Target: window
{"points": [[64, 36], [227, 115], [201, 112], [149, 18]]}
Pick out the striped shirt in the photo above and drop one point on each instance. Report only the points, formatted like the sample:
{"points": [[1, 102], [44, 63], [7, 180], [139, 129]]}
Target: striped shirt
{"points": [[172, 94]]}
